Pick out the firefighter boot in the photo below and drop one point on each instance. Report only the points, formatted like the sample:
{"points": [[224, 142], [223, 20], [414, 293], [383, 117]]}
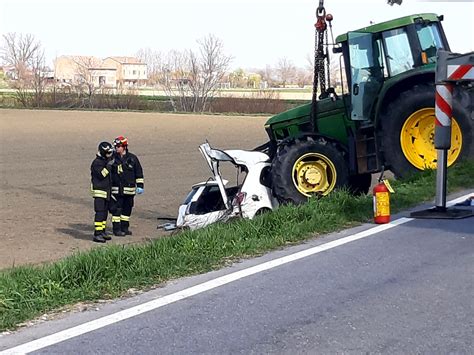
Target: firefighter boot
{"points": [[106, 236], [124, 226], [117, 229], [104, 233], [98, 237]]}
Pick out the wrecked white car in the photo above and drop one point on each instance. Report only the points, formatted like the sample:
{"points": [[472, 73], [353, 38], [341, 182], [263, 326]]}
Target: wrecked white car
{"points": [[215, 200]]}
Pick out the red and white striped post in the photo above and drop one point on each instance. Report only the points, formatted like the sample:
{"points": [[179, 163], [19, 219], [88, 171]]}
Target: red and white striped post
{"points": [[444, 112], [451, 70], [457, 72]]}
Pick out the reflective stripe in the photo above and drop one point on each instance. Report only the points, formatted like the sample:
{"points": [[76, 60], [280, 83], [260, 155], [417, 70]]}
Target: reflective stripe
{"points": [[104, 172], [120, 169], [141, 180], [99, 226], [99, 193], [115, 189], [104, 223], [124, 218], [115, 219], [129, 190]]}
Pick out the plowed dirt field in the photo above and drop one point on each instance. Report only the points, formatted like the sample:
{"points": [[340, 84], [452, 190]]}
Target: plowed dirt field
{"points": [[46, 211]]}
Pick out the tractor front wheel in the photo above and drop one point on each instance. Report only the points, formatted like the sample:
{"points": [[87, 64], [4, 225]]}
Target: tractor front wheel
{"points": [[308, 167], [408, 132]]}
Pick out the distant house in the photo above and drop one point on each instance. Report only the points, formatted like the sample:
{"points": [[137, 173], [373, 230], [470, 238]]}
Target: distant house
{"points": [[131, 72], [10, 72], [76, 70]]}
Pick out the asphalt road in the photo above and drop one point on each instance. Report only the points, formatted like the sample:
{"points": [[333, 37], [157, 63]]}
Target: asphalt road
{"points": [[408, 289]]}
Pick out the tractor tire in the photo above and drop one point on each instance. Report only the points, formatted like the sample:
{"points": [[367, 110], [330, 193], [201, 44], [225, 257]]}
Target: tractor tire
{"points": [[408, 126], [306, 167], [360, 184]]}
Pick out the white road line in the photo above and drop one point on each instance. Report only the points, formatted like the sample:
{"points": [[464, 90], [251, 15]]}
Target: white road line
{"points": [[206, 286]]}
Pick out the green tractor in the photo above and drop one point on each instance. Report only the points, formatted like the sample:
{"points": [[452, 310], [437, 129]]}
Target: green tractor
{"points": [[384, 118]]}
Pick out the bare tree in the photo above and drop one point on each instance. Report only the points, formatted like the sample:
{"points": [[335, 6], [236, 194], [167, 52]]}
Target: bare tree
{"points": [[195, 76], [38, 77], [309, 63], [173, 77], [86, 72], [286, 70], [18, 50], [154, 61], [267, 75], [337, 78], [25, 54], [303, 77], [338, 73], [207, 69]]}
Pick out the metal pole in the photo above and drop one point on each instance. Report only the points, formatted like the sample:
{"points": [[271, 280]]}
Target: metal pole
{"points": [[441, 179]]}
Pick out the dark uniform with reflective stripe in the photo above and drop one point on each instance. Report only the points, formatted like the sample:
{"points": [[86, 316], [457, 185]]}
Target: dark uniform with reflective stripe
{"points": [[128, 175], [101, 188]]}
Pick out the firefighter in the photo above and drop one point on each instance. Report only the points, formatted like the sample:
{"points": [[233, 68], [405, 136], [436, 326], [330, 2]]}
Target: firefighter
{"points": [[128, 181], [101, 186]]}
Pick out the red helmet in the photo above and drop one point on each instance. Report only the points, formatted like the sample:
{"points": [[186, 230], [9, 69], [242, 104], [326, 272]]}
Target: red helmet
{"points": [[121, 141]]}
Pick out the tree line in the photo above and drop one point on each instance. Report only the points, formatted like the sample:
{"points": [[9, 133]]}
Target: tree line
{"points": [[190, 78]]}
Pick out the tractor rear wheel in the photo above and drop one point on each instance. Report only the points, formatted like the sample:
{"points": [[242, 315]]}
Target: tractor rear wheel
{"points": [[408, 132], [308, 167]]}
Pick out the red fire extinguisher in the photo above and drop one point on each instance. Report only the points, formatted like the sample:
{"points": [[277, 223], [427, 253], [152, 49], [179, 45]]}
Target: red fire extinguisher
{"points": [[381, 195]]}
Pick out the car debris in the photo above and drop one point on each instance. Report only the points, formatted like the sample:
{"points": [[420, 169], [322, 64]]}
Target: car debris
{"points": [[215, 200]]}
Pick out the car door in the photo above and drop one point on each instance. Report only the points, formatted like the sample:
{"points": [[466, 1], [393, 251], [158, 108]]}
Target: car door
{"points": [[213, 157]]}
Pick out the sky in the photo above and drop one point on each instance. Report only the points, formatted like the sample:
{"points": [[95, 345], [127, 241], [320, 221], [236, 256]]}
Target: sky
{"points": [[255, 33]]}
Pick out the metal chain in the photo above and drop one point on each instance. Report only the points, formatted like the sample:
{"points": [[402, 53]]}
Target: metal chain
{"points": [[319, 57], [328, 62]]}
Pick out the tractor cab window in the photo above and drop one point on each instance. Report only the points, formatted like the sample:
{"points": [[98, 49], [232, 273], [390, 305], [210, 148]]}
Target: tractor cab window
{"points": [[430, 41], [362, 56], [367, 73], [398, 51]]}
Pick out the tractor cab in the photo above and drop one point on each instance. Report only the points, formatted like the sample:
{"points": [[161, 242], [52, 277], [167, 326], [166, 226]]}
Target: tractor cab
{"points": [[379, 56]]}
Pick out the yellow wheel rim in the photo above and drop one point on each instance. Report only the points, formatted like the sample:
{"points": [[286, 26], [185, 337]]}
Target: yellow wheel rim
{"points": [[314, 173], [417, 140]]}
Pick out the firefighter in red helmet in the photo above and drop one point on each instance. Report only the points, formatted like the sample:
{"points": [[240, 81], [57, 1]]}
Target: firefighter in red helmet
{"points": [[127, 182], [101, 185]]}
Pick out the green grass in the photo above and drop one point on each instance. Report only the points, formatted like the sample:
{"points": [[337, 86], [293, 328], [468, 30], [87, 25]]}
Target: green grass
{"points": [[107, 272]]}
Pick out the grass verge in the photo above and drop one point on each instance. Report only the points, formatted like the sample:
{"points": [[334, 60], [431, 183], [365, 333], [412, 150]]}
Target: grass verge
{"points": [[26, 292]]}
